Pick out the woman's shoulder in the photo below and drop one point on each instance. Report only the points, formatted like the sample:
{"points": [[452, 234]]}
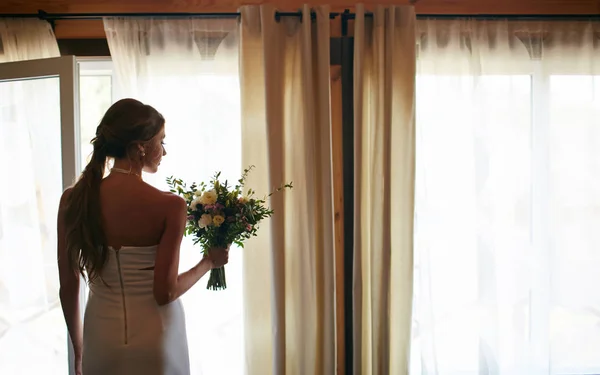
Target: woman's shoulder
{"points": [[66, 193], [64, 198], [171, 206], [167, 199]]}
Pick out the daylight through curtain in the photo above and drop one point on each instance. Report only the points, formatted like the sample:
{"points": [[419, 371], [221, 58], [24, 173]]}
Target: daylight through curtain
{"points": [[507, 197], [33, 335]]}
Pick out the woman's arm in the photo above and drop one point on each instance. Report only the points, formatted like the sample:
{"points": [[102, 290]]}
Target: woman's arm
{"points": [[168, 284], [69, 283]]}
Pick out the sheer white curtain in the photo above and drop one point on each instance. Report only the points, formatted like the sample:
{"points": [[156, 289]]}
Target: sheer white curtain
{"points": [[26, 39], [33, 336], [507, 198], [188, 70]]}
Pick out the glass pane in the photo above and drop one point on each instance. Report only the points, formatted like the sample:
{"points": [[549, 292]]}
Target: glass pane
{"points": [[33, 335], [574, 159], [95, 96], [472, 222]]}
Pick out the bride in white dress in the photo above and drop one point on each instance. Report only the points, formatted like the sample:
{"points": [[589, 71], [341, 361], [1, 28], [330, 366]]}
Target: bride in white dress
{"points": [[124, 236]]}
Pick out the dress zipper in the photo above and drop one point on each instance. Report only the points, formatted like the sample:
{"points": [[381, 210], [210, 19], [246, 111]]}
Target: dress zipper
{"points": [[122, 293]]}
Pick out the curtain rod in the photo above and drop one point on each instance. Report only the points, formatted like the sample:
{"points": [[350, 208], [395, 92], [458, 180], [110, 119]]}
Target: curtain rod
{"points": [[98, 16], [344, 15]]}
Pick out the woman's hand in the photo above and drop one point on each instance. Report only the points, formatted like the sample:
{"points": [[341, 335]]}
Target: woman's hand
{"points": [[218, 256]]}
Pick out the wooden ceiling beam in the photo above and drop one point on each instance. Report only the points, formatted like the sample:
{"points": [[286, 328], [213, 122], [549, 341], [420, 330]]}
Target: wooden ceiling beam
{"points": [[524, 7]]}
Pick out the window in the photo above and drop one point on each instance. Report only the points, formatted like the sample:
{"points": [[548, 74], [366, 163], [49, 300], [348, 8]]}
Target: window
{"points": [[574, 208], [506, 218]]}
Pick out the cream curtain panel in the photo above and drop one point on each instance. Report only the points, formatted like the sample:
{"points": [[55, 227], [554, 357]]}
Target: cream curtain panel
{"points": [[289, 302], [33, 336], [506, 235], [384, 152]]}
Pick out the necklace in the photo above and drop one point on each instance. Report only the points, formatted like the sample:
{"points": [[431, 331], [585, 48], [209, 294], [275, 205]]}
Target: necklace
{"points": [[124, 171]]}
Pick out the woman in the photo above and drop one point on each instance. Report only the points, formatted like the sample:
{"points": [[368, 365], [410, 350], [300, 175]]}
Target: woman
{"points": [[124, 235]]}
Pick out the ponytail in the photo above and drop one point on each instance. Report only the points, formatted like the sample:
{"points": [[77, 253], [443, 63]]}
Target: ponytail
{"points": [[85, 241]]}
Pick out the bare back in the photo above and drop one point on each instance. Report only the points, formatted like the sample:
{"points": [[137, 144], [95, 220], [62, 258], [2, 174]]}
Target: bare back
{"points": [[133, 212]]}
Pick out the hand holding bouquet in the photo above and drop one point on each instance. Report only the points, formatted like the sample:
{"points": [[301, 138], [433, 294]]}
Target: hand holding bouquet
{"points": [[219, 215]]}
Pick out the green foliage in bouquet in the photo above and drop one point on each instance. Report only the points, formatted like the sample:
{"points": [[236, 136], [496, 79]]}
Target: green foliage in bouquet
{"points": [[220, 215]]}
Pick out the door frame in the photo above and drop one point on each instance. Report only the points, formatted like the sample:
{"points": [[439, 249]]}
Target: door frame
{"points": [[66, 69]]}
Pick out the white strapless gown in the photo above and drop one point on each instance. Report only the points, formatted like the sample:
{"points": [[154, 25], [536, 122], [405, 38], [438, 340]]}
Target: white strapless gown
{"points": [[125, 332]]}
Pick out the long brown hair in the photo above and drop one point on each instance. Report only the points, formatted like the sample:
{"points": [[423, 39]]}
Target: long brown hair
{"points": [[124, 123]]}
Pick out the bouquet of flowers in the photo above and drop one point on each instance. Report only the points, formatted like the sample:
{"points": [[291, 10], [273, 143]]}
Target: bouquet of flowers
{"points": [[219, 215]]}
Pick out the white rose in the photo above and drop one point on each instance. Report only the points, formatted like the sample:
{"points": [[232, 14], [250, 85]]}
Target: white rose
{"points": [[205, 221], [197, 193], [209, 197]]}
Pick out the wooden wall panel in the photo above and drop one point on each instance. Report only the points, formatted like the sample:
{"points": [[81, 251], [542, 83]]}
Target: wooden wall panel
{"points": [[422, 6], [508, 7], [338, 207], [70, 29], [79, 29]]}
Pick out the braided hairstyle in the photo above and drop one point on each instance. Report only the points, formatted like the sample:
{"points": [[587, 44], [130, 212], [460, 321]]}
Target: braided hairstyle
{"points": [[124, 124]]}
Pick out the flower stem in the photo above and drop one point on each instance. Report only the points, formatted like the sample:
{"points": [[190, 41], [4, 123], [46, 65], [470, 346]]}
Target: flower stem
{"points": [[217, 279]]}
